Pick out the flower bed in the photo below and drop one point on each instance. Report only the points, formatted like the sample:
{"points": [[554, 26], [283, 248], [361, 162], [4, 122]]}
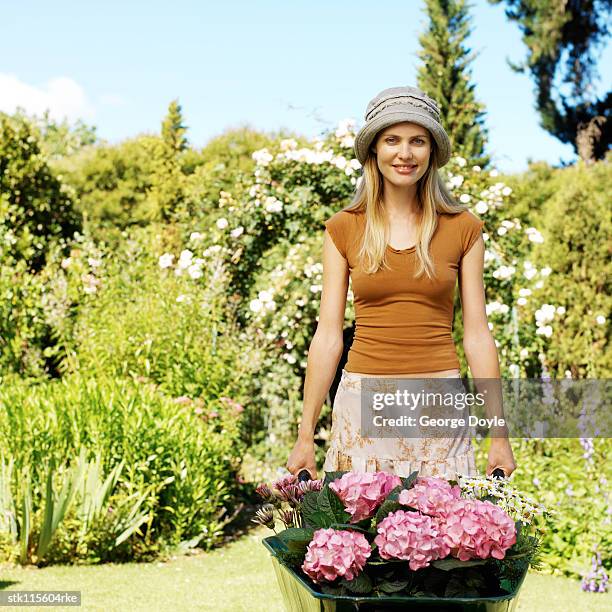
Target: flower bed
{"points": [[369, 537]]}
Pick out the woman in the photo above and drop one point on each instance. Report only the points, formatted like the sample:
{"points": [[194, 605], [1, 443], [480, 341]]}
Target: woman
{"points": [[404, 242]]}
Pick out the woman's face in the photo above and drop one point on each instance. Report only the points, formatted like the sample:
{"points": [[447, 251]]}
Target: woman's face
{"points": [[402, 153]]}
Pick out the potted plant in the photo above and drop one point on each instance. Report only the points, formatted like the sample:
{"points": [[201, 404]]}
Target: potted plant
{"points": [[375, 541]]}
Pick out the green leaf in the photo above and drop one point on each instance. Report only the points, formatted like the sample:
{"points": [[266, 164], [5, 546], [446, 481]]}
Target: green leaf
{"points": [[332, 589], [331, 476], [351, 527], [296, 539], [360, 584], [309, 507], [519, 528], [450, 564], [386, 508], [465, 584], [394, 493], [330, 503], [408, 481], [365, 523], [393, 586], [318, 520]]}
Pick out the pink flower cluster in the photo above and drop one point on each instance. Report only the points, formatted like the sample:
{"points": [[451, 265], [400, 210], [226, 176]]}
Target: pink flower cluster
{"points": [[362, 492], [333, 553], [289, 489], [430, 495], [478, 529], [464, 528], [416, 537]]}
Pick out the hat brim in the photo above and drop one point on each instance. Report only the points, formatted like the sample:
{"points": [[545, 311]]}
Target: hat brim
{"points": [[368, 132]]}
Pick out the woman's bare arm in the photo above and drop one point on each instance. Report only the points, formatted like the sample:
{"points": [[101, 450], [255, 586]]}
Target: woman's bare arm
{"points": [[326, 346], [481, 353]]}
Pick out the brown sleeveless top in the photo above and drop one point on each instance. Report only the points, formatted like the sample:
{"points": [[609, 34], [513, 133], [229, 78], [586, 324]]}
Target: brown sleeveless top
{"points": [[404, 324]]}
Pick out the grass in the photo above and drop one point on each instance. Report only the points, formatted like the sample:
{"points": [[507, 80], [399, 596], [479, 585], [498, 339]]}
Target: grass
{"points": [[237, 577]]}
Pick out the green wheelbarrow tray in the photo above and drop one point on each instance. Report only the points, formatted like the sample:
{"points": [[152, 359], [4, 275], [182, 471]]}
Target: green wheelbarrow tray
{"points": [[299, 596]]}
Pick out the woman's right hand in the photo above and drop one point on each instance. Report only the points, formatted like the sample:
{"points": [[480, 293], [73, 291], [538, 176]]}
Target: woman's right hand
{"points": [[302, 457]]}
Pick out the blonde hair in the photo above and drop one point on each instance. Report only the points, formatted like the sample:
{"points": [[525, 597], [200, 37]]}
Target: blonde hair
{"points": [[432, 197]]}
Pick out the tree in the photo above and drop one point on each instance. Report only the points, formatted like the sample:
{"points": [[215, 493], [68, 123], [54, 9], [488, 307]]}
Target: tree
{"points": [[35, 205], [445, 76], [173, 131], [111, 182], [168, 181], [562, 37]]}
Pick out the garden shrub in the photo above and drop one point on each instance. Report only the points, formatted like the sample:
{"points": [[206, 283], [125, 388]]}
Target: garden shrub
{"points": [[578, 231], [36, 212], [36, 207], [175, 329], [182, 455]]}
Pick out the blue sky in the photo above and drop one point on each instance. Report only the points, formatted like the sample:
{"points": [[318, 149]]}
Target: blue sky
{"points": [[302, 65]]}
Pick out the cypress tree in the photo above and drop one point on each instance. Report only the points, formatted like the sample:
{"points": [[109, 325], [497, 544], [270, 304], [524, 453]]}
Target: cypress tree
{"points": [[445, 76], [168, 182]]}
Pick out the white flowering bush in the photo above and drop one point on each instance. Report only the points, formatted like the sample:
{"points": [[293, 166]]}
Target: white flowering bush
{"points": [[510, 276], [165, 319]]}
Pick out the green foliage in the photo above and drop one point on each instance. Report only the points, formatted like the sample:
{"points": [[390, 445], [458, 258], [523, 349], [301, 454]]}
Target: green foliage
{"points": [[36, 214], [293, 543], [323, 508], [555, 473], [35, 206], [168, 328], [168, 180], [111, 182], [561, 39], [23, 330], [135, 432], [222, 165], [173, 131], [578, 229], [360, 585], [59, 139], [445, 76]]}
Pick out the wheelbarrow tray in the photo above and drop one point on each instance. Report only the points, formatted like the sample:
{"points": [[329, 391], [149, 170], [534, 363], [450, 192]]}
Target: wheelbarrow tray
{"points": [[299, 596]]}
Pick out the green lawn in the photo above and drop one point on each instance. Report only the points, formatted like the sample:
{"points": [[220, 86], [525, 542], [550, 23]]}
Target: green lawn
{"points": [[236, 577]]}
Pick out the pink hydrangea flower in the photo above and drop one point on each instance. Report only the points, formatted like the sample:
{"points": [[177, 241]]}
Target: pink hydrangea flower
{"points": [[412, 536], [333, 553], [478, 529], [362, 492], [430, 495]]}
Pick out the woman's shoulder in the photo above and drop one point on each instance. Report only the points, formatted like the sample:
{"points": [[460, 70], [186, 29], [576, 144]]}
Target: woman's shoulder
{"points": [[344, 218], [461, 216], [342, 227], [464, 219], [347, 213]]}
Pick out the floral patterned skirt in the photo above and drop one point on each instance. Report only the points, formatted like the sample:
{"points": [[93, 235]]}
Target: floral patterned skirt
{"points": [[430, 456]]}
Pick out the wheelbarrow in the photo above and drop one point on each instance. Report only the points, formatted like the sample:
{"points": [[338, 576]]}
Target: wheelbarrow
{"points": [[300, 594]]}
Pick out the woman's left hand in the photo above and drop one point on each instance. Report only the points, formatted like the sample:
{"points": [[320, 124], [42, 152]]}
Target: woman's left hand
{"points": [[500, 456]]}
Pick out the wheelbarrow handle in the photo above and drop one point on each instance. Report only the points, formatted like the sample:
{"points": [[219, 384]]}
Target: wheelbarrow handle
{"points": [[303, 476]]}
